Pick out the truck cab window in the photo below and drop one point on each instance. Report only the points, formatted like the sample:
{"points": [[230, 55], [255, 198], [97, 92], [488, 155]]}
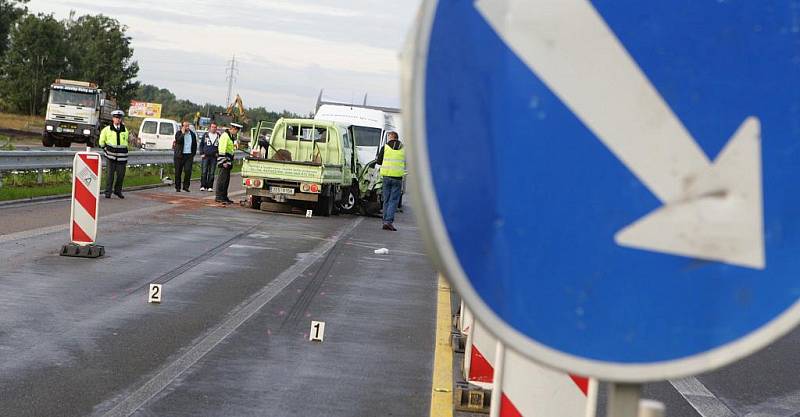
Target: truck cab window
{"points": [[71, 98], [366, 136]]}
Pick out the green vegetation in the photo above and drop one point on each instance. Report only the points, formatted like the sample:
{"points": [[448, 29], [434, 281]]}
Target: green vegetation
{"points": [[37, 49], [177, 109], [25, 185], [10, 11], [5, 144]]}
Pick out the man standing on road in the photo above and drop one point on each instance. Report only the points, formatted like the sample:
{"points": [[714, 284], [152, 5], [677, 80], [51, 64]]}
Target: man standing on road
{"points": [[225, 162], [114, 141], [185, 149], [209, 148], [392, 159]]}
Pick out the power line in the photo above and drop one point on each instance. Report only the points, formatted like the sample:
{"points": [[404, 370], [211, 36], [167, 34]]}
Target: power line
{"points": [[231, 73]]}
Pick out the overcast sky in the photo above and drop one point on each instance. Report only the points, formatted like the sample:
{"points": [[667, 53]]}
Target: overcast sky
{"points": [[286, 50]]}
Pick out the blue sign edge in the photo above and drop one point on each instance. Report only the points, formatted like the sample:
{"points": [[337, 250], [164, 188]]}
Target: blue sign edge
{"points": [[442, 253]]}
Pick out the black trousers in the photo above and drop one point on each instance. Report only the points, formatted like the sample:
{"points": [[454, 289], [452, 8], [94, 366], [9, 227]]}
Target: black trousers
{"points": [[223, 180], [115, 174], [183, 165]]}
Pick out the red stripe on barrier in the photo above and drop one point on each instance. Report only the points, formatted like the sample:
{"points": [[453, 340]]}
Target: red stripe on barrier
{"points": [[480, 369], [507, 408], [582, 383], [86, 199], [78, 235], [92, 163]]}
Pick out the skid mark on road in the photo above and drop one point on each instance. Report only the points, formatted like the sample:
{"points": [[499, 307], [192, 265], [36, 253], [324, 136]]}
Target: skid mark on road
{"points": [[164, 377], [197, 260], [311, 290], [701, 399]]}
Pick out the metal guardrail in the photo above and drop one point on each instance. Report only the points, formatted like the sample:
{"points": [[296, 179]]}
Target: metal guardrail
{"points": [[38, 160]]}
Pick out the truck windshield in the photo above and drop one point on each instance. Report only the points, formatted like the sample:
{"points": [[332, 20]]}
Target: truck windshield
{"points": [[72, 98], [366, 136]]}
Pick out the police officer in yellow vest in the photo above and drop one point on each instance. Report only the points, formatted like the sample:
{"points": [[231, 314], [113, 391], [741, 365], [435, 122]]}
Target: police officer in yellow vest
{"points": [[114, 141], [227, 147], [392, 159]]}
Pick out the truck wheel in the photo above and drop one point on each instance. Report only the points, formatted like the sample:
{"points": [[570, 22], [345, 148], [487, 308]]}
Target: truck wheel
{"points": [[349, 201], [255, 202], [324, 206], [48, 141]]}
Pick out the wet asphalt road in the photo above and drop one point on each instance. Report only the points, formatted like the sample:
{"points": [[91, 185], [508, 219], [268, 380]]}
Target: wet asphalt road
{"points": [[240, 289]]}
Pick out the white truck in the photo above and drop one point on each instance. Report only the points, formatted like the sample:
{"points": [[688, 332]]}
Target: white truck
{"points": [[76, 112]]}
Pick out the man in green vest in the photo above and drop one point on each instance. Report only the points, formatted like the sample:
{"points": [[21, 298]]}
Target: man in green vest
{"points": [[392, 159], [227, 147], [114, 141]]}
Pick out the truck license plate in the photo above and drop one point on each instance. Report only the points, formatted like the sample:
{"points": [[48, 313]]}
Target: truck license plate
{"points": [[66, 130], [281, 190]]}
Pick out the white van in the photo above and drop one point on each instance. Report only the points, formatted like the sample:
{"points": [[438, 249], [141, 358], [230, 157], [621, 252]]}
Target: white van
{"points": [[369, 126], [158, 133]]}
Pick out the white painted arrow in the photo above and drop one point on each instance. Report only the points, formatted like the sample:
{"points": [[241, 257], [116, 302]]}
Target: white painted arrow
{"points": [[710, 211]]}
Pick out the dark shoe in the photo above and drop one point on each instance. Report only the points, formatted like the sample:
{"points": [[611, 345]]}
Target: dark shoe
{"points": [[216, 200], [177, 190], [108, 195], [187, 190], [386, 226], [229, 201], [119, 195], [392, 228]]}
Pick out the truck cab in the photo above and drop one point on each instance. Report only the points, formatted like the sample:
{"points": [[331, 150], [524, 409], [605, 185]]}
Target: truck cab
{"points": [[76, 112]]}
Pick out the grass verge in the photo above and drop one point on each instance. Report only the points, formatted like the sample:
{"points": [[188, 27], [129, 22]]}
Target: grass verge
{"points": [[25, 185]]}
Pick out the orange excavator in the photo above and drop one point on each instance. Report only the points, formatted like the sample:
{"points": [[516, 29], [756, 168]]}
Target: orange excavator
{"points": [[233, 114]]}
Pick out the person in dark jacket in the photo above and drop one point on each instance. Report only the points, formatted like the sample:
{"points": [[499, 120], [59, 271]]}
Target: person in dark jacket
{"points": [[185, 148], [209, 149]]}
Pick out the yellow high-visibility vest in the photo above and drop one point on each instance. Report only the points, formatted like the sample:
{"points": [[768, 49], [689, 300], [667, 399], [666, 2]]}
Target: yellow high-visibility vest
{"points": [[394, 162]]}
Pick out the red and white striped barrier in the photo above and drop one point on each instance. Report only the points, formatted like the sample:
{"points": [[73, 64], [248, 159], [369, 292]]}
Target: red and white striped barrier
{"points": [[521, 387], [479, 356], [85, 197], [464, 319], [524, 388], [86, 175]]}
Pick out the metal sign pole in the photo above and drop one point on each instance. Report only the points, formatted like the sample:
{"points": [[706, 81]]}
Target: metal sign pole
{"points": [[623, 400]]}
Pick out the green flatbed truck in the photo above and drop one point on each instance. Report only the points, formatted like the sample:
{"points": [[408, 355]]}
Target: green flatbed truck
{"points": [[304, 163]]}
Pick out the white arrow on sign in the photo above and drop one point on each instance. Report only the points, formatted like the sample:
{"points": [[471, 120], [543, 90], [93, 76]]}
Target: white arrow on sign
{"points": [[711, 211]]}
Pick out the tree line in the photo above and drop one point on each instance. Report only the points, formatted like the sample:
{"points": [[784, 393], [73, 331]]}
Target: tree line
{"points": [[178, 109], [36, 49]]}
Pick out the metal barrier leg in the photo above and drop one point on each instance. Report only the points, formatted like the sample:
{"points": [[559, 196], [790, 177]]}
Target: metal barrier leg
{"points": [[623, 400]]}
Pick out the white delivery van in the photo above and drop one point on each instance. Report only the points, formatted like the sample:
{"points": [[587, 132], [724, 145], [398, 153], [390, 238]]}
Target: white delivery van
{"points": [[158, 133], [369, 126]]}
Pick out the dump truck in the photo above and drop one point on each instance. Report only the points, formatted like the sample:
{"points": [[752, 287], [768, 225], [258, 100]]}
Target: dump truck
{"points": [[76, 112], [305, 164]]}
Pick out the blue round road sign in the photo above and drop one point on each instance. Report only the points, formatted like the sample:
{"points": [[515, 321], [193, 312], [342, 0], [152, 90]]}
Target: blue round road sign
{"points": [[611, 184]]}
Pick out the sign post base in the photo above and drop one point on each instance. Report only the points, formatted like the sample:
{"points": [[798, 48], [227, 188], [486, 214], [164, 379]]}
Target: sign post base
{"points": [[77, 251]]}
